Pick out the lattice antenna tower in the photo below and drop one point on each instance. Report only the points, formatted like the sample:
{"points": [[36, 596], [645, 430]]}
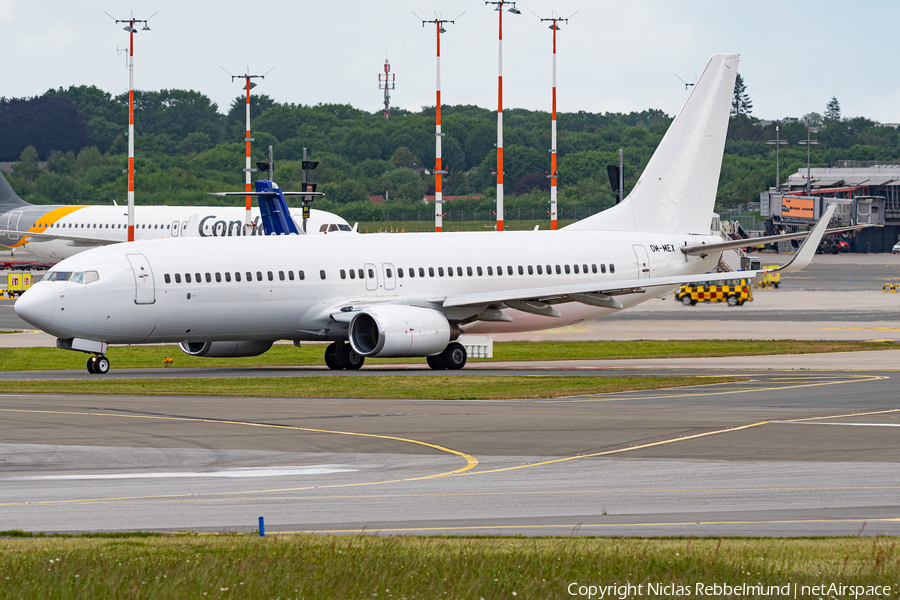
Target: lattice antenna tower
{"points": [[387, 82]]}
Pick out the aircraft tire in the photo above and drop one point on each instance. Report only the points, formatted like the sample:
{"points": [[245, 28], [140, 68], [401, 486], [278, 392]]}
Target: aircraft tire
{"points": [[332, 360], [91, 364], [435, 362], [454, 356], [350, 358], [101, 367]]}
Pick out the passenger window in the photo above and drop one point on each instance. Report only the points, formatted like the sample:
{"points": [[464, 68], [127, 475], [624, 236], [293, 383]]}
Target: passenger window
{"points": [[218, 278], [478, 270], [567, 269], [558, 270], [167, 278], [371, 274], [187, 277], [441, 271], [291, 275], [469, 271], [612, 268], [509, 270], [431, 271], [593, 268], [343, 274], [197, 275], [208, 278], [421, 272], [400, 273], [530, 270], [360, 271], [92, 276], [490, 270], [301, 275], [388, 273], [259, 275], [449, 271], [352, 274], [459, 271], [540, 270], [227, 277], [237, 275], [412, 272], [249, 276], [521, 270], [602, 268], [576, 269], [270, 275], [584, 268], [499, 270], [322, 274], [177, 277]]}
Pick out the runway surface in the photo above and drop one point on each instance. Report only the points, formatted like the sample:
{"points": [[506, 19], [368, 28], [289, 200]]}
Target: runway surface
{"points": [[785, 453]]}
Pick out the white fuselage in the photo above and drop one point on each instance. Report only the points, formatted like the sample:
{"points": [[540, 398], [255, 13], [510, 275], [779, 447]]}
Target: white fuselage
{"points": [[98, 225], [142, 293]]}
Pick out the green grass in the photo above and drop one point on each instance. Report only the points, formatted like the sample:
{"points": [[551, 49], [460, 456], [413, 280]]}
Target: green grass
{"points": [[443, 387], [283, 355], [10, 331], [379, 568]]}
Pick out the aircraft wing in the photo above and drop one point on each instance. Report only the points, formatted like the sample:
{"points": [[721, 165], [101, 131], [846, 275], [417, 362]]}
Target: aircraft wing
{"points": [[37, 238]]}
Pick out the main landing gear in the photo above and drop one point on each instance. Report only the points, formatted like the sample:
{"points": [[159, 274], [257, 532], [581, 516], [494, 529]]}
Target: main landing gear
{"points": [[452, 358], [98, 365], [340, 355]]}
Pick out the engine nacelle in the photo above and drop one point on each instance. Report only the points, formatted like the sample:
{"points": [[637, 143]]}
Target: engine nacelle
{"points": [[224, 349], [390, 331]]}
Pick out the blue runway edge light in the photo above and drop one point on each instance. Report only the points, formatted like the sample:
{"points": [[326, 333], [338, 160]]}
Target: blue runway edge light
{"points": [[262, 527]]}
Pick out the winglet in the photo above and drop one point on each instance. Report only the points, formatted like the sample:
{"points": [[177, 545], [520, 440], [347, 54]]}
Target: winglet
{"points": [[808, 248]]}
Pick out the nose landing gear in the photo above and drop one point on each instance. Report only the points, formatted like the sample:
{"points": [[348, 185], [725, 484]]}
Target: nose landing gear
{"points": [[98, 365]]}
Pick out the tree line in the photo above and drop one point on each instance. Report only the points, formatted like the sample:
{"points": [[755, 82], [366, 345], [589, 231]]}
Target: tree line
{"points": [[70, 146]]}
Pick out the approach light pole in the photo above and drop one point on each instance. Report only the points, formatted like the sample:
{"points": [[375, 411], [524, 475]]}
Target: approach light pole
{"points": [[808, 143], [129, 27], [499, 8], [554, 25], [248, 169], [777, 142], [439, 170]]}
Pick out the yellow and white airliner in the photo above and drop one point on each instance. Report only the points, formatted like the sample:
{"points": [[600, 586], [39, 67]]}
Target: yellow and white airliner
{"points": [[61, 231], [410, 294]]}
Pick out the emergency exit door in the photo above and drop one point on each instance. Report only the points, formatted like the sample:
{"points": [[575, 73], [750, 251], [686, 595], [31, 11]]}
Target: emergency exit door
{"points": [[643, 261]]}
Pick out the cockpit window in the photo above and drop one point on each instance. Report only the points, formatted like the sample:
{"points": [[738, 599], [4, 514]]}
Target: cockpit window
{"points": [[77, 277], [344, 227], [58, 276], [91, 276]]}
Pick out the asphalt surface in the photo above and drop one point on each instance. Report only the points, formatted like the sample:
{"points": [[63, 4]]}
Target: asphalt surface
{"points": [[805, 445]]}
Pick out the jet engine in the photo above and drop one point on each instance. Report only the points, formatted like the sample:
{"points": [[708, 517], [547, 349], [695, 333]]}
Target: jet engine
{"points": [[224, 349], [390, 331]]}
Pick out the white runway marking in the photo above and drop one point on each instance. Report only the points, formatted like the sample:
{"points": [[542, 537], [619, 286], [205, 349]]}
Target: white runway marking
{"points": [[231, 474]]}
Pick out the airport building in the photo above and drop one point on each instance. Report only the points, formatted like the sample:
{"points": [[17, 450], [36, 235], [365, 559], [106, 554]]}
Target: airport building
{"points": [[867, 192]]}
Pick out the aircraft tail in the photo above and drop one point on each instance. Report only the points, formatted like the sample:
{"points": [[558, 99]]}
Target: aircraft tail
{"points": [[8, 198], [677, 191]]}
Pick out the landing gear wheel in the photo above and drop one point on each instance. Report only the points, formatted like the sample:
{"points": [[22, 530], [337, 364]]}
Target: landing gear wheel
{"points": [[686, 300], [102, 365], [92, 365], [454, 356], [350, 358], [732, 301], [331, 356], [435, 362]]}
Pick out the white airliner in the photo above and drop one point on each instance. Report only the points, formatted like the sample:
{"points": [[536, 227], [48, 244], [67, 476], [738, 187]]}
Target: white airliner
{"points": [[61, 231], [409, 294]]}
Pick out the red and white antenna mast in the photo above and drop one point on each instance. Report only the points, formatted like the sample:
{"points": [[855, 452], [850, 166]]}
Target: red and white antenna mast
{"points": [[439, 170], [248, 169], [554, 25], [387, 84], [512, 8], [129, 27]]}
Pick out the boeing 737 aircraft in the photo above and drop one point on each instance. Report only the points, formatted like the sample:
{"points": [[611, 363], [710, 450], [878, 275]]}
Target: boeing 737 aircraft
{"points": [[411, 294], [63, 231]]}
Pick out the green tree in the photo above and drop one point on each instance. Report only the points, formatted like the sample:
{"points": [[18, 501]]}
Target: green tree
{"points": [[740, 103], [814, 119], [27, 167], [833, 110], [404, 158], [402, 183]]}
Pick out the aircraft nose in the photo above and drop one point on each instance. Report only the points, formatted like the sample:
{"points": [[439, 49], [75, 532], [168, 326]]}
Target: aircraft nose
{"points": [[36, 306]]}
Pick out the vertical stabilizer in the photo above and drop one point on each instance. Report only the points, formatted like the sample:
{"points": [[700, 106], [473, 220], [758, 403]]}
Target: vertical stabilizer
{"points": [[8, 198], [677, 191]]}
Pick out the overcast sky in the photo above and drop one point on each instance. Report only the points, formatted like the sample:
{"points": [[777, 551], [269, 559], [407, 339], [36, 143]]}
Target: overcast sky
{"points": [[612, 56]]}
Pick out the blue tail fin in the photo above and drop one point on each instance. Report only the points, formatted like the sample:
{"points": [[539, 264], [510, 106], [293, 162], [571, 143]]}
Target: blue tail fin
{"points": [[276, 217]]}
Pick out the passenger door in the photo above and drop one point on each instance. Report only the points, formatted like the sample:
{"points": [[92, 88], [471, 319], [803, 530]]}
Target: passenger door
{"points": [[144, 288], [176, 228], [643, 261], [13, 223]]}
